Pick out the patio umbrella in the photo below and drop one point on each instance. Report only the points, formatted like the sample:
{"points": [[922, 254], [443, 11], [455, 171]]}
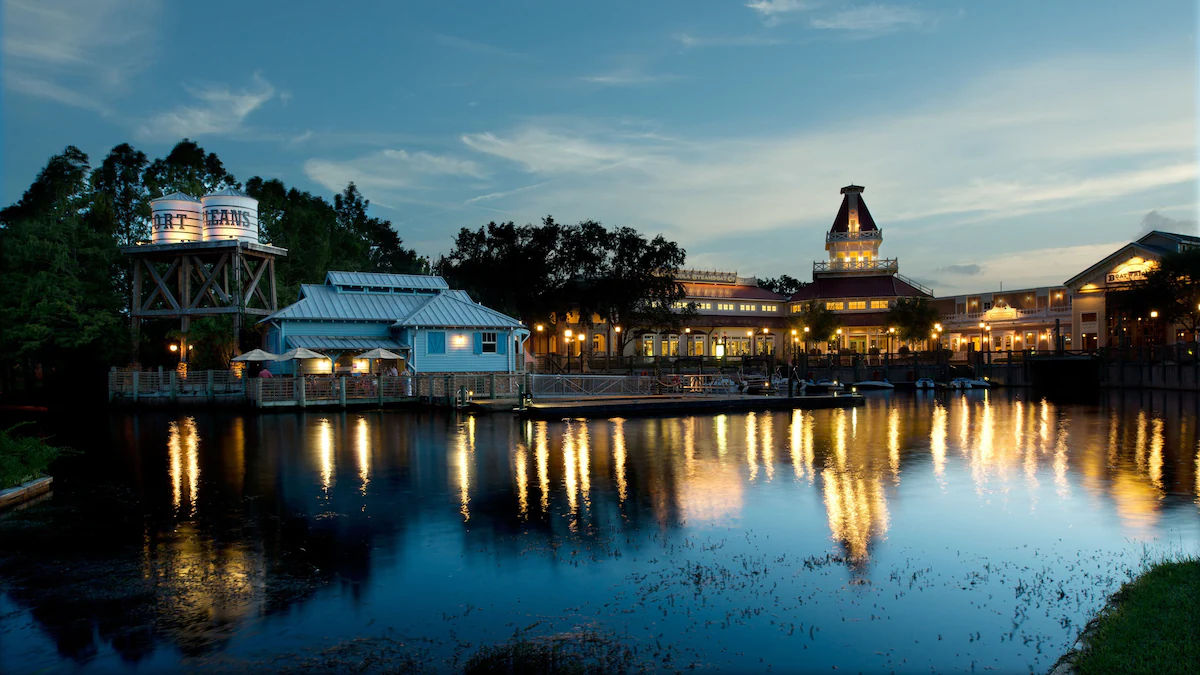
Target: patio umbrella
{"points": [[300, 353], [378, 353], [257, 355]]}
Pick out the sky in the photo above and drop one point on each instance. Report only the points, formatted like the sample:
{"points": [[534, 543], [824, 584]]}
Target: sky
{"points": [[1011, 143]]}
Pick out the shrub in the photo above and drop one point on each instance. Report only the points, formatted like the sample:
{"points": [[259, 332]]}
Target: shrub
{"points": [[23, 458]]}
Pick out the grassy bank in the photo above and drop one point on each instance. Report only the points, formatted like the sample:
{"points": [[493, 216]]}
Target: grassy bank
{"points": [[23, 458], [1152, 627]]}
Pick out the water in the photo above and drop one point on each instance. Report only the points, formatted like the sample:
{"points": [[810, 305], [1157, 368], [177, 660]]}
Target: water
{"points": [[952, 532]]}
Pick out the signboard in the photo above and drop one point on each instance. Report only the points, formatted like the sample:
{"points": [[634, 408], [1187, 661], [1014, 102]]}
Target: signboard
{"points": [[705, 276], [1125, 277]]}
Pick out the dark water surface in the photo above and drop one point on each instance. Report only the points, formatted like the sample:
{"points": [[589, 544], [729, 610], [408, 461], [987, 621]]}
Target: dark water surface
{"points": [[952, 532]]}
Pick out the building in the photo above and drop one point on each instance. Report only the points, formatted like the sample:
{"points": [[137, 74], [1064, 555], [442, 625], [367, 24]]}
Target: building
{"points": [[1097, 322], [1020, 319], [435, 328], [855, 282]]}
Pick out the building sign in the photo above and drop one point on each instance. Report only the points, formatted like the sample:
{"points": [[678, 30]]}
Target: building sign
{"points": [[1134, 270], [705, 276]]}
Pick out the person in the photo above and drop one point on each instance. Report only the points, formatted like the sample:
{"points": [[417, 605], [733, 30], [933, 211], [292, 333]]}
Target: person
{"points": [[392, 372], [264, 372]]}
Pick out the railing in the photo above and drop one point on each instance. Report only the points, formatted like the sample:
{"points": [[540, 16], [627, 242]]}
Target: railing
{"points": [[881, 264], [591, 385], [831, 237], [915, 284], [1053, 310]]}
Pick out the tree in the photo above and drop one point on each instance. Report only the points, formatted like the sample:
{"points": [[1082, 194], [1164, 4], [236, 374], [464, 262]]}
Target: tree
{"points": [[61, 305], [119, 190], [189, 170], [372, 243], [638, 290], [913, 318], [783, 285], [822, 323]]}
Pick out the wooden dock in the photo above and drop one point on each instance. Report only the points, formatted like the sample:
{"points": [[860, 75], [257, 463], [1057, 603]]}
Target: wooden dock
{"points": [[683, 405]]}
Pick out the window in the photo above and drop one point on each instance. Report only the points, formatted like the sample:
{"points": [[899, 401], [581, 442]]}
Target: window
{"points": [[835, 306], [725, 306], [435, 342], [770, 308], [598, 343], [881, 304], [681, 304], [696, 346], [487, 343], [747, 308], [1087, 317], [671, 346], [647, 345], [987, 306], [857, 304], [764, 345], [797, 308], [703, 305]]}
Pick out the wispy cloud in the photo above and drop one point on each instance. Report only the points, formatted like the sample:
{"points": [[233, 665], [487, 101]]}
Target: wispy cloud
{"points": [[80, 53], [688, 40], [464, 45], [772, 9], [389, 171], [874, 19], [218, 110], [630, 77], [965, 270]]}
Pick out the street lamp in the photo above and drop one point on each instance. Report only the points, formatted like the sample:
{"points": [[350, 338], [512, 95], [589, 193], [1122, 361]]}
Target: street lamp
{"points": [[839, 339]]}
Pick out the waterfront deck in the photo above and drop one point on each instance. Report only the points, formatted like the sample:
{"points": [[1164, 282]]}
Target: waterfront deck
{"points": [[677, 405]]}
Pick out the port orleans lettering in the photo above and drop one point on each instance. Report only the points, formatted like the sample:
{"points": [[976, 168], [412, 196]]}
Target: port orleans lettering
{"points": [[216, 217]]}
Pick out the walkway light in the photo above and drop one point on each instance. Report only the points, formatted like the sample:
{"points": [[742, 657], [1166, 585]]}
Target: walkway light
{"points": [[806, 329], [687, 330], [569, 333], [539, 327], [616, 329], [765, 331], [174, 348], [982, 324], [1154, 314], [937, 327], [793, 331]]}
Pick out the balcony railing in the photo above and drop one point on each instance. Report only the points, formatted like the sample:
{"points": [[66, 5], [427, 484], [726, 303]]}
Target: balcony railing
{"points": [[1055, 311], [881, 265], [862, 235]]}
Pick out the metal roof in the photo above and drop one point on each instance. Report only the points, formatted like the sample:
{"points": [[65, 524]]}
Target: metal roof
{"points": [[403, 281], [324, 302], [446, 310], [227, 192], [320, 342], [177, 196]]}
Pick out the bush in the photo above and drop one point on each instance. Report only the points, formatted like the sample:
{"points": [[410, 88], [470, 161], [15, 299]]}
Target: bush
{"points": [[903, 349], [23, 458]]}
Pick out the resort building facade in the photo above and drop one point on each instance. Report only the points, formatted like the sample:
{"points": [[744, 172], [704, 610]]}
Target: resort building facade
{"points": [[1020, 319], [435, 328]]}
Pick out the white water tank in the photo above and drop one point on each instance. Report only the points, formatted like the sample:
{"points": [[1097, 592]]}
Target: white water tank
{"points": [[175, 218], [230, 214]]}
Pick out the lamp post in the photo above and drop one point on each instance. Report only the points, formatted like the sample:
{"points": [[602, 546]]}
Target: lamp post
{"points": [[839, 339], [891, 332], [794, 341], [581, 339], [567, 345], [541, 330], [806, 331]]}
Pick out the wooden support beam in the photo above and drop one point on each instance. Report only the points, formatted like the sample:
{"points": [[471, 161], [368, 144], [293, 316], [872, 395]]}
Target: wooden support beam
{"points": [[160, 287], [208, 282], [216, 294], [255, 277]]}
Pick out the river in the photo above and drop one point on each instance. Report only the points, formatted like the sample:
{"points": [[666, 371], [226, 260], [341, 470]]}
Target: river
{"points": [[973, 531]]}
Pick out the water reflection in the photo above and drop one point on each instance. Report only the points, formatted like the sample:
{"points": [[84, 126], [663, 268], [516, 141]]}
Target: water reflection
{"points": [[275, 494]]}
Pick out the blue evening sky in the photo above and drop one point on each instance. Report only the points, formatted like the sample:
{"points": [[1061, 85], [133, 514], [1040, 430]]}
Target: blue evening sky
{"points": [[999, 142]]}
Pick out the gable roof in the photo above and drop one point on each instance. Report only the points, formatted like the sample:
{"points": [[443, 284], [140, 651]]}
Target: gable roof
{"points": [[379, 279], [880, 286], [449, 310], [1155, 252], [324, 302], [692, 290]]}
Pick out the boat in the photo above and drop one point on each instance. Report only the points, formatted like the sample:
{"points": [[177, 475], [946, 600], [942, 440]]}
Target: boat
{"points": [[925, 383], [874, 384], [824, 386], [723, 385], [959, 383], [978, 384]]}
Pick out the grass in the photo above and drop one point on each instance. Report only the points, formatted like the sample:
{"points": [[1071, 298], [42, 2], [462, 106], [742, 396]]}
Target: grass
{"points": [[1153, 625], [23, 458]]}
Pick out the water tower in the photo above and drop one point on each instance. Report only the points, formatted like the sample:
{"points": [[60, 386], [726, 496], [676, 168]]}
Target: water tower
{"points": [[204, 258]]}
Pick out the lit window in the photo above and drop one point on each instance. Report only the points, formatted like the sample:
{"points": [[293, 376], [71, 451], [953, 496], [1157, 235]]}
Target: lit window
{"points": [[770, 308], [725, 306], [797, 308], [835, 306], [647, 345], [879, 304], [671, 348], [857, 304], [747, 308], [489, 343]]}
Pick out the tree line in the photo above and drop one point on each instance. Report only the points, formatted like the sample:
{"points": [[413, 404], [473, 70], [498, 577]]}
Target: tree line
{"points": [[66, 286]]}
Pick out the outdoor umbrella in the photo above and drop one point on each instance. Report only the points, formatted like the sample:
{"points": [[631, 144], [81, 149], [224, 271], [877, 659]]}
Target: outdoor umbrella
{"points": [[378, 353], [257, 355], [299, 354]]}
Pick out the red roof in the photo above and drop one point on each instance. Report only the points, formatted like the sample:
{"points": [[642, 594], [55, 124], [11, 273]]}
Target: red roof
{"points": [[879, 286], [842, 222], [721, 291]]}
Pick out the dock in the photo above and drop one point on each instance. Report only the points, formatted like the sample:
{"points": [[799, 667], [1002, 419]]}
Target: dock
{"points": [[641, 406]]}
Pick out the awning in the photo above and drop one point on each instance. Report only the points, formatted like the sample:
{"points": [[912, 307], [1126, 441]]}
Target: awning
{"points": [[345, 344]]}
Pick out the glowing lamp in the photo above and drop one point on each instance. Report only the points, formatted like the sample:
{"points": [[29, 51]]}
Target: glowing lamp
{"points": [[539, 327], [569, 333], [174, 348], [1154, 314]]}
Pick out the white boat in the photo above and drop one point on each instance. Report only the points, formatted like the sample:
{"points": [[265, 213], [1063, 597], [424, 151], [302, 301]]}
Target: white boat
{"points": [[824, 386], [874, 384], [978, 384], [925, 383], [960, 383], [723, 385]]}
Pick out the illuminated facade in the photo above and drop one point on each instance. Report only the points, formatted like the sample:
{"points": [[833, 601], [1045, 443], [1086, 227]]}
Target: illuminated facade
{"points": [[1016, 319], [1098, 324], [855, 282]]}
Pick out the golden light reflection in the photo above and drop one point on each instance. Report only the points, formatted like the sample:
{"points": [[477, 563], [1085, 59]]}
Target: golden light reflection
{"points": [[183, 456], [325, 453], [522, 470], [937, 439], [856, 508], [839, 436], [362, 446], [768, 445], [191, 445], [894, 443], [462, 458], [543, 465], [585, 473], [175, 464], [1198, 475], [689, 446], [1156, 453], [1060, 462], [752, 445], [569, 466], [619, 458], [722, 436], [964, 425]]}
